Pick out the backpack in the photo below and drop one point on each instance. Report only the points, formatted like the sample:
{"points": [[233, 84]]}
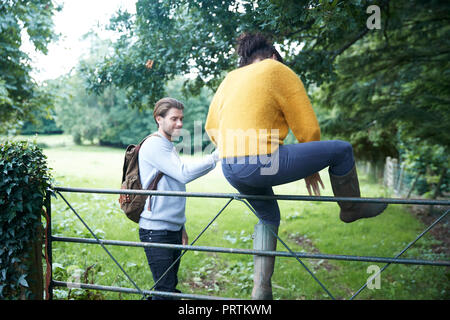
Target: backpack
{"points": [[133, 204]]}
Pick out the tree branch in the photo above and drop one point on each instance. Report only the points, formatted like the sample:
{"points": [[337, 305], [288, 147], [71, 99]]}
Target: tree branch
{"points": [[348, 45], [307, 26]]}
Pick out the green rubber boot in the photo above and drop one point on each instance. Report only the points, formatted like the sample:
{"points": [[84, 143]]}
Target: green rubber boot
{"points": [[264, 239], [348, 186]]}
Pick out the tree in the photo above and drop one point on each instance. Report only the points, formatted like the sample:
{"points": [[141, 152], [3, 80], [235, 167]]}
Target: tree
{"points": [[104, 118], [367, 83], [182, 37], [393, 86], [19, 94]]}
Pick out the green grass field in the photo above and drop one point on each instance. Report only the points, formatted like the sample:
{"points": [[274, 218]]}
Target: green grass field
{"points": [[306, 227]]}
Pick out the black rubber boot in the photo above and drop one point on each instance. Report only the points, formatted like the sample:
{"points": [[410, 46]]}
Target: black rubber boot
{"points": [[348, 186]]}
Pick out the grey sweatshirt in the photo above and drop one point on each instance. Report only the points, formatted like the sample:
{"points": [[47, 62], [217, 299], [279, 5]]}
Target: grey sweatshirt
{"points": [[159, 154]]}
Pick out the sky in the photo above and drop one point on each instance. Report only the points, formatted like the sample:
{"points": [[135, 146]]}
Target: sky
{"points": [[76, 19]]}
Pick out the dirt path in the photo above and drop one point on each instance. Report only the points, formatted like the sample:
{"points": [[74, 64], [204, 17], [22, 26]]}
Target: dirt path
{"points": [[440, 231]]}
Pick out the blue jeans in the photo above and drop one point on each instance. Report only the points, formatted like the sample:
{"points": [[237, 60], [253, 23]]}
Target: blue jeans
{"points": [[257, 175], [159, 259]]}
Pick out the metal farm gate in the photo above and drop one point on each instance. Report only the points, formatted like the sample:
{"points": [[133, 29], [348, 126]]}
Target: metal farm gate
{"points": [[231, 197]]}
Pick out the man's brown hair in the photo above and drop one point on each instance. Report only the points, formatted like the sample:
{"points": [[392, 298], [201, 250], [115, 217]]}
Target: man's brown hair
{"points": [[164, 105]]}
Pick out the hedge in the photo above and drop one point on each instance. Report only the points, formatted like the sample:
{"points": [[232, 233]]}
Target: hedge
{"points": [[24, 180]]}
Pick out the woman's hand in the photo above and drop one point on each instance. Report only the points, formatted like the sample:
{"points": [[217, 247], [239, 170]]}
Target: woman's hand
{"points": [[313, 182], [184, 238], [215, 155]]}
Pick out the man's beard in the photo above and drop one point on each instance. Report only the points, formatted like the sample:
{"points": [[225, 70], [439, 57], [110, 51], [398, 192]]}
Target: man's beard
{"points": [[173, 133]]}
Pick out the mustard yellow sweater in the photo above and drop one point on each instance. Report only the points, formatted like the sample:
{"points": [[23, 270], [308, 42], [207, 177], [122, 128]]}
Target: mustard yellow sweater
{"points": [[255, 106]]}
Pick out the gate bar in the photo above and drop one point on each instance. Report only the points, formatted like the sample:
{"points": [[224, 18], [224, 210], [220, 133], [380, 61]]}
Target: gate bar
{"points": [[255, 252], [255, 197], [76, 285]]}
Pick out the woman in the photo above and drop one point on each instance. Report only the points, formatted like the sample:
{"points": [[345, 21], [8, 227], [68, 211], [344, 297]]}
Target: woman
{"points": [[256, 105]]}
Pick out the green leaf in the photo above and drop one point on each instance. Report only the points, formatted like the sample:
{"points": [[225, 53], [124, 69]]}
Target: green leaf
{"points": [[22, 281]]}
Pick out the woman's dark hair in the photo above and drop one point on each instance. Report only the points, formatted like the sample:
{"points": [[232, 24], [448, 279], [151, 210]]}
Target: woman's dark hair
{"points": [[251, 46]]}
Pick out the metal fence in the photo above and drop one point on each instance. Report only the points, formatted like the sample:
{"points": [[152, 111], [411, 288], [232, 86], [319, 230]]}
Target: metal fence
{"points": [[398, 179], [58, 191]]}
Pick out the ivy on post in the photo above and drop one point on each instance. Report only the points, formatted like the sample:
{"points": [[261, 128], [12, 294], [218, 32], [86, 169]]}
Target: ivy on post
{"points": [[24, 180]]}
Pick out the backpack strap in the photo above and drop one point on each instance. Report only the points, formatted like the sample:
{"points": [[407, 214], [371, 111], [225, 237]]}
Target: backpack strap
{"points": [[143, 140], [153, 185]]}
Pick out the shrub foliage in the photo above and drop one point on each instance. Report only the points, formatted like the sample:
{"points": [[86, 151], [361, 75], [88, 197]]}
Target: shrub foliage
{"points": [[24, 179]]}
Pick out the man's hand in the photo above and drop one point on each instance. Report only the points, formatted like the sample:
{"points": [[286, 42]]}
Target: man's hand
{"points": [[184, 238], [313, 182]]}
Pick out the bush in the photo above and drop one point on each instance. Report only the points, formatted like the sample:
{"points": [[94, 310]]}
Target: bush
{"points": [[23, 184]]}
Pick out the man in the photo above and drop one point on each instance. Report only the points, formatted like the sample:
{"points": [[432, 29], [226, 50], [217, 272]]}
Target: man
{"points": [[164, 222]]}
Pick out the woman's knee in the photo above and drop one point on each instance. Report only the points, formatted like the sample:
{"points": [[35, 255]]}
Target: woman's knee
{"points": [[343, 160], [344, 147], [343, 151]]}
